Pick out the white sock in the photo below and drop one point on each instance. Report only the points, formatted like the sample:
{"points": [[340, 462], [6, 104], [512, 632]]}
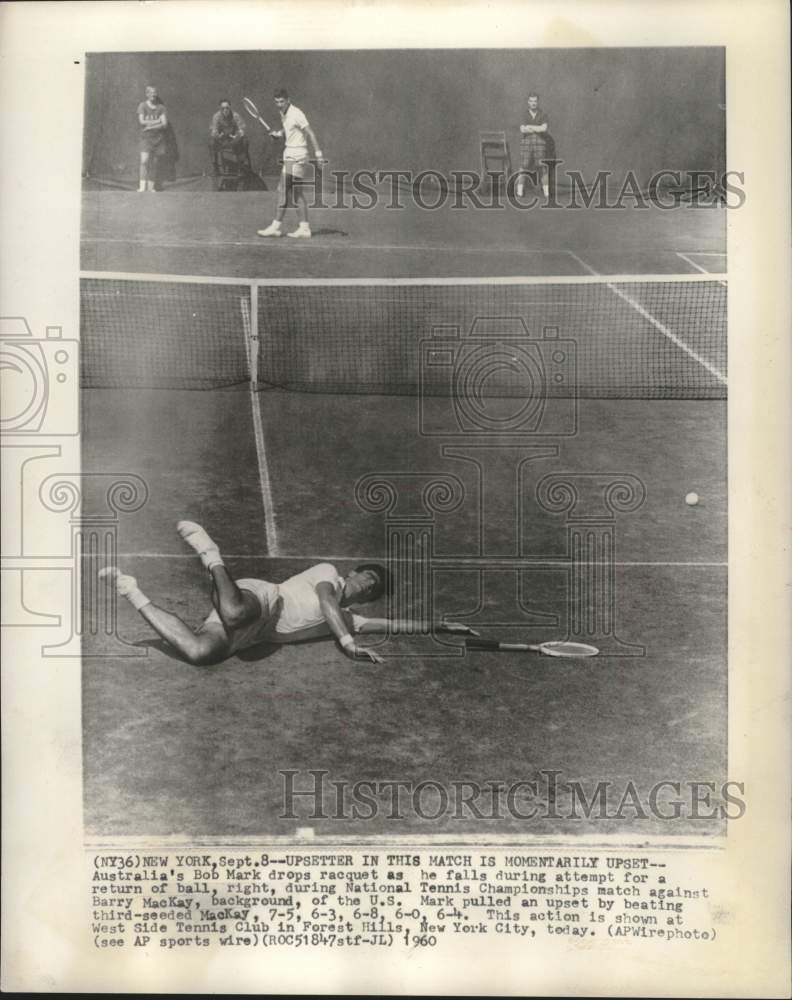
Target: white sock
{"points": [[137, 598], [126, 586]]}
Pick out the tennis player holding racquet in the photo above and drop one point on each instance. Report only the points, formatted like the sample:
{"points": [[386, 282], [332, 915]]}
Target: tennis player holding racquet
{"points": [[297, 134]]}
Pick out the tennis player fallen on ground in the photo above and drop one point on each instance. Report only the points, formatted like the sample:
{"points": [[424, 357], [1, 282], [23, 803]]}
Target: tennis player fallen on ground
{"points": [[246, 612], [297, 133]]}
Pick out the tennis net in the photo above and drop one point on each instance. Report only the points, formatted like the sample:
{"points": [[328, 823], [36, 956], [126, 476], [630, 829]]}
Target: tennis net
{"points": [[655, 337]]}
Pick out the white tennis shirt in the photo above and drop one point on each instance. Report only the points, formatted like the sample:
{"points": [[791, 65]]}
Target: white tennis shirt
{"points": [[294, 125], [290, 611], [300, 610]]}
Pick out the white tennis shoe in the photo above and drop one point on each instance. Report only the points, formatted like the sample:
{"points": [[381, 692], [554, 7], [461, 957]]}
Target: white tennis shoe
{"points": [[303, 231], [200, 542], [273, 229]]}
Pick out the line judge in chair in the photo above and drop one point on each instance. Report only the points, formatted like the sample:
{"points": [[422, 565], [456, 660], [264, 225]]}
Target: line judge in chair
{"points": [[228, 146]]}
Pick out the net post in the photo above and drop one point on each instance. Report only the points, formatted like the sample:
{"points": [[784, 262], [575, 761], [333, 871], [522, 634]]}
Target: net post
{"points": [[254, 335]]}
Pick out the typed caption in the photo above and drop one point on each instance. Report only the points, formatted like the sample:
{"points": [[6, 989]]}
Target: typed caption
{"points": [[293, 898]]}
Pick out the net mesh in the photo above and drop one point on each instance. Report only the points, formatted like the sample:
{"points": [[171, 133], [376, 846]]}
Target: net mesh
{"points": [[605, 338], [137, 334]]}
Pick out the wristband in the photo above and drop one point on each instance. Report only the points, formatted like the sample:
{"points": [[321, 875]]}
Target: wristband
{"points": [[347, 641]]}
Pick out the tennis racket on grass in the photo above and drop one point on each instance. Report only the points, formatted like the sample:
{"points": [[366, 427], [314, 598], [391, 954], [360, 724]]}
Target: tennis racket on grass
{"points": [[253, 111], [573, 650]]}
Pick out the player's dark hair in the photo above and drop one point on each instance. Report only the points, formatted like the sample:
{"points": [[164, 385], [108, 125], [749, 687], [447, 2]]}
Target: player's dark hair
{"points": [[533, 94], [384, 584], [282, 92]]}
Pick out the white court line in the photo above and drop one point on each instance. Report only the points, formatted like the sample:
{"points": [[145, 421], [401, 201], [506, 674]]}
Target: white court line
{"points": [[318, 244], [265, 485], [381, 558], [698, 267], [654, 321], [534, 279]]}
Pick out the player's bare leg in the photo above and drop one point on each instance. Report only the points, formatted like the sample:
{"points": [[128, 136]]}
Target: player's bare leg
{"points": [[236, 607], [303, 230], [144, 160], [200, 649], [274, 228], [544, 174]]}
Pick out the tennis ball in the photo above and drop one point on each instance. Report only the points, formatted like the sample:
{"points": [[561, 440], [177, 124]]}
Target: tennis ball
{"points": [[692, 499]]}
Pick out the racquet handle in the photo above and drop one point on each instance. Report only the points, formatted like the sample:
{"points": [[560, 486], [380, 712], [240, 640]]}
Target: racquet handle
{"points": [[493, 644]]}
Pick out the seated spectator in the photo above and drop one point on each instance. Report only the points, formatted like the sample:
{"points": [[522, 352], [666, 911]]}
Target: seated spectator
{"points": [[228, 143], [227, 129]]}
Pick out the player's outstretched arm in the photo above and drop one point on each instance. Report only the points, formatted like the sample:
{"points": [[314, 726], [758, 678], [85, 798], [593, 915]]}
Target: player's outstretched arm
{"points": [[383, 625], [337, 623]]}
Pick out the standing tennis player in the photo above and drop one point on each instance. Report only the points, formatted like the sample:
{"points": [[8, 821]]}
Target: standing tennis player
{"points": [[246, 612], [153, 120], [297, 134], [533, 146]]}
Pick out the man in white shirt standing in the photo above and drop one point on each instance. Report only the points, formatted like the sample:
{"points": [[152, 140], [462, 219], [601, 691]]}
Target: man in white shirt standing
{"points": [[297, 134], [246, 612]]}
